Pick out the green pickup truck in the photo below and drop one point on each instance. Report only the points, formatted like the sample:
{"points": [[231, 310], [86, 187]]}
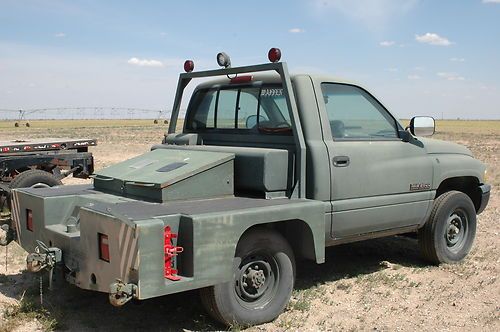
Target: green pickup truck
{"points": [[269, 168]]}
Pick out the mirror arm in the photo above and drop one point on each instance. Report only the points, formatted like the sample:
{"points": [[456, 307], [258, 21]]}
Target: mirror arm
{"points": [[404, 135]]}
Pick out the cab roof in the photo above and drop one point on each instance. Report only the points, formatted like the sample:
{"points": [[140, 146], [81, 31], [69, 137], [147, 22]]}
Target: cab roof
{"points": [[270, 78]]}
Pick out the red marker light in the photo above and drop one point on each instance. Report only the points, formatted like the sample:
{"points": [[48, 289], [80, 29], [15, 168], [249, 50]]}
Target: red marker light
{"points": [[241, 79], [188, 66], [274, 54], [29, 220], [103, 247]]}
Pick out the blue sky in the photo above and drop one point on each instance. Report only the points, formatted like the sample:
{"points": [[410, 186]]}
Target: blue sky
{"points": [[419, 57]]}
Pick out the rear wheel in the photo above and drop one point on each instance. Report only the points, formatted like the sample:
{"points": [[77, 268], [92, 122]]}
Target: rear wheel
{"points": [[448, 235], [35, 178], [262, 281]]}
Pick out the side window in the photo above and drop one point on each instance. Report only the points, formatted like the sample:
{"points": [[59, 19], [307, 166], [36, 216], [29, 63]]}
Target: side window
{"points": [[353, 113]]}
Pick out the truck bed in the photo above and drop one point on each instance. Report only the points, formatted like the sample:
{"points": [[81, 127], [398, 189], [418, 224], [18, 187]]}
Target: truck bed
{"points": [[136, 233], [140, 210]]}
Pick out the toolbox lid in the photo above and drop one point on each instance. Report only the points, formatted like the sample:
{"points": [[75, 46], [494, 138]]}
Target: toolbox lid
{"points": [[160, 168]]}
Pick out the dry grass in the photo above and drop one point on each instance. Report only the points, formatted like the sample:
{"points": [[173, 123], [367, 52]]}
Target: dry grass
{"points": [[379, 284]]}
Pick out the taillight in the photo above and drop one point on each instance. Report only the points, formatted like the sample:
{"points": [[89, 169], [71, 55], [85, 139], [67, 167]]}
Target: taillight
{"points": [[103, 247], [29, 220]]}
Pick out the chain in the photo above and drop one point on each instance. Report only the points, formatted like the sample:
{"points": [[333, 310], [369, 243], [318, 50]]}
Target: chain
{"points": [[41, 290]]}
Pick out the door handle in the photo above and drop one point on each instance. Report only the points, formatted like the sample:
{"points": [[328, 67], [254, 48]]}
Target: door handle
{"points": [[340, 161]]}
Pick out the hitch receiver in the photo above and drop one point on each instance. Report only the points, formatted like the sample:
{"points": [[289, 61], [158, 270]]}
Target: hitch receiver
{"points": [[120, 293], [43, 258]]}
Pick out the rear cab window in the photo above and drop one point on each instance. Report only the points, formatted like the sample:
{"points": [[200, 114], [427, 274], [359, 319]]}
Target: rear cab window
{"points": [[249, 109]]}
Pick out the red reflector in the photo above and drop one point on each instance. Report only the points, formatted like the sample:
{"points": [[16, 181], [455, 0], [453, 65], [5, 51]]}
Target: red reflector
{"points": [[103, 247], [29, 220], [5, 149], [188, 66], [242, 79]]}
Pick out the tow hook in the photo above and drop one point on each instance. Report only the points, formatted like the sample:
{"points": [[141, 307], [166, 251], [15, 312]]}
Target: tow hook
{"points": [[6, 234], [44, 258], [120, 293]]}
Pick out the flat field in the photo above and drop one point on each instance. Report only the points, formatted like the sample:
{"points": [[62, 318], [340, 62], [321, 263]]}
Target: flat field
{"points": [[373, 285]]}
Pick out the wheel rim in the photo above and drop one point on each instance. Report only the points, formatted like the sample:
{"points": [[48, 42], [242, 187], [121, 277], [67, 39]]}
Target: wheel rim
{"points": [[256, 280], [456, 230], [40, 185]]}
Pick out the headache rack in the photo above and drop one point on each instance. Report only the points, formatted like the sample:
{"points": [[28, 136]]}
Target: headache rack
{"points": [[275, 66]]}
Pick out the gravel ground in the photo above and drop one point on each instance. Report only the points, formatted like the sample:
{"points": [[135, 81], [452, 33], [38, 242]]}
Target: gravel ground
{"points": [[373, 285]]}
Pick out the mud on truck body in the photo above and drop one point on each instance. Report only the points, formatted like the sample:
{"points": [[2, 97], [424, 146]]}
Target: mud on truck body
{"points": [[268, 168]]}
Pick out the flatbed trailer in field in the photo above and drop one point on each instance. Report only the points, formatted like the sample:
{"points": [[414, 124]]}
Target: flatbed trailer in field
{"points": [[41, 163]]}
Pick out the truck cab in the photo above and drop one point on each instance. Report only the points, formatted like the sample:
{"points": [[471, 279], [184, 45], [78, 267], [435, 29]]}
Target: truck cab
{"points": [[373, 177]]}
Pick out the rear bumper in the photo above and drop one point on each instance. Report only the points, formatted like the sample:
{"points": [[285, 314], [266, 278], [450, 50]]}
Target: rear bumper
{"points": [[485, 197]]}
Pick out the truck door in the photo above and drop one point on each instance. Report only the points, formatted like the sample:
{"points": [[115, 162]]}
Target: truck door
{"points": [[378, 182]]}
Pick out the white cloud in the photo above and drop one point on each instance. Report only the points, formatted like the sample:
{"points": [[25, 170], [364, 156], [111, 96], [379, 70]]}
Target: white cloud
{"points": [[457, 59], [387, 43], [60, 35], [450, 76], [491, 1], [392, 70], [296, 30], [145, 62], [414, 77], [433, 39]]}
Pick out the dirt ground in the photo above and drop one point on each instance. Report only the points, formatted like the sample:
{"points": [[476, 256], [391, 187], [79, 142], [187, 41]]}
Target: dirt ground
{"points": [[373, 285]]}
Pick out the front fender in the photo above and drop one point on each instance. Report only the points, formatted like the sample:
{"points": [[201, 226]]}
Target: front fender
{"points": [[455, 165]]}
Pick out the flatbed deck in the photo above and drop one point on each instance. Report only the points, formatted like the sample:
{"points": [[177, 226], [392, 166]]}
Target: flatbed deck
{"points": [[22, 146]]}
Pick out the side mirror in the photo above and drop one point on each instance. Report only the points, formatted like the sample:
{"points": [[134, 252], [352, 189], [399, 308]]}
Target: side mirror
{"points": [[251, 121], [422, 126]]}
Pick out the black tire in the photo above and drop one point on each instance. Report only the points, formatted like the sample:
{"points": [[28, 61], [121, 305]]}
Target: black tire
{"points": [[34, 178], [448, 235], [261, 252]]}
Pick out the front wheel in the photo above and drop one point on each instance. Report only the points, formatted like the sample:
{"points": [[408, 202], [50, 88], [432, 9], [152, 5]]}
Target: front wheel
{"points": [[262, 281], [448, 235]]}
